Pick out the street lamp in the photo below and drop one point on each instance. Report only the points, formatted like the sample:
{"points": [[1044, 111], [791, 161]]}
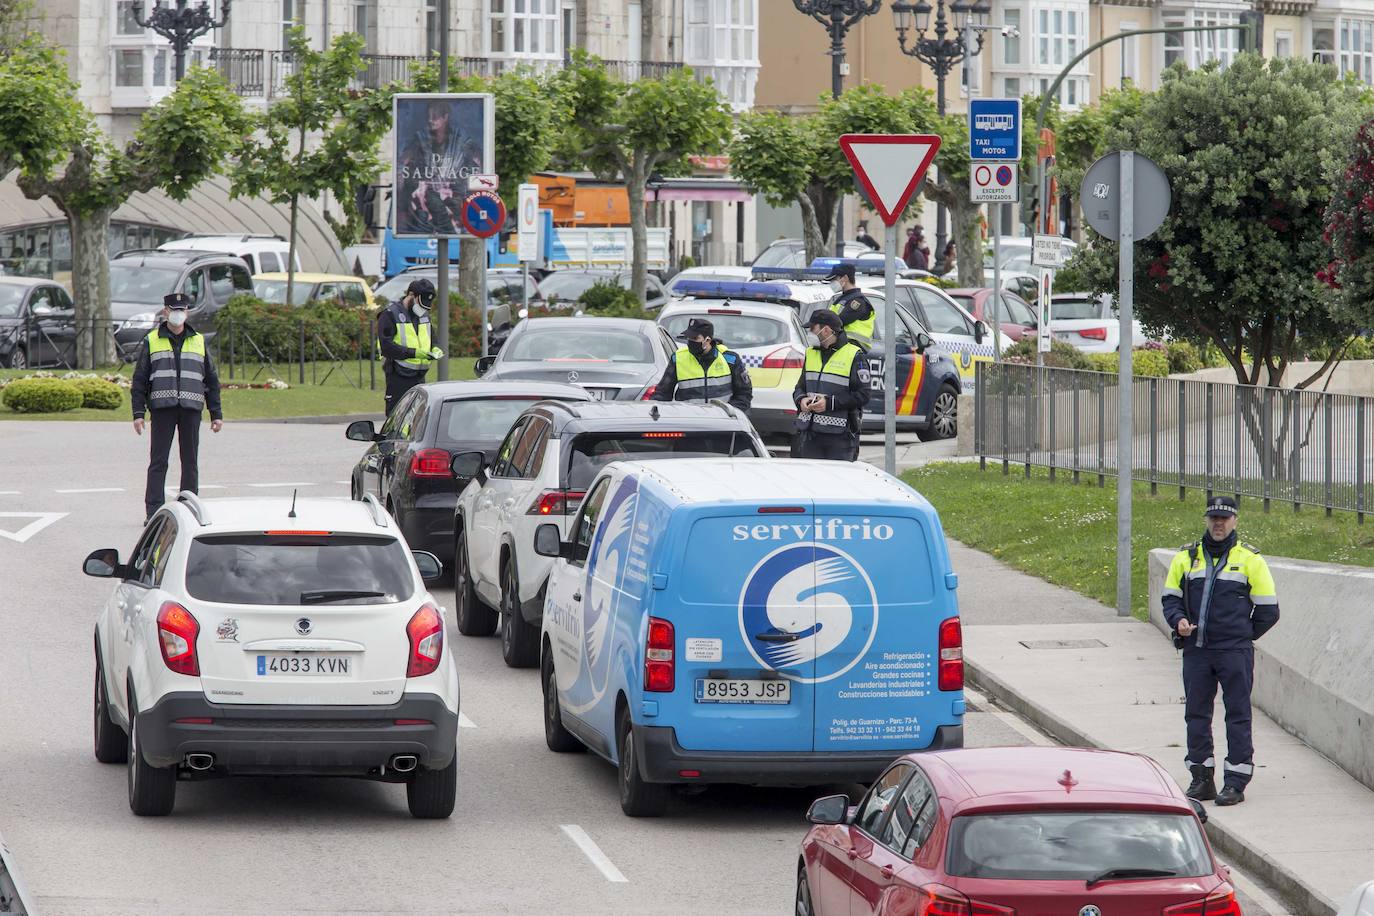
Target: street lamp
{"points": [[838, 17], [180, 25], [940, 51]]}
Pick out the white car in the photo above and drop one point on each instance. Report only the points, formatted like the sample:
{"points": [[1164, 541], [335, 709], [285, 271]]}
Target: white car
{"points": [[274, 636], [1015, 252], [1090, 323], [541, 472], [1361, 902], [721, 272], [263, 253]]}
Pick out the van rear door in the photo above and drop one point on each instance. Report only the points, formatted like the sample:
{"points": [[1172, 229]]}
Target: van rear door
{"points": [[878, 600], [744, 615]]}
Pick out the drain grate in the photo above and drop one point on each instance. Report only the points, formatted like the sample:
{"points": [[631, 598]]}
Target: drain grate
{"points": [[1064, 644]]}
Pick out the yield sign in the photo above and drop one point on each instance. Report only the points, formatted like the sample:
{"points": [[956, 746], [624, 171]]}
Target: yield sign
{"points": [[38, 521], [890, 167]]}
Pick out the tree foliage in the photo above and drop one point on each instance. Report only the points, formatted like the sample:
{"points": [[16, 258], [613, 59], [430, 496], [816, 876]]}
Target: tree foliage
{"points": [[1350, 231]]}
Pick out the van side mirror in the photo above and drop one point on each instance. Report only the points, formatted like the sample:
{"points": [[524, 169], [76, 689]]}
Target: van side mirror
{"points": [[548, 541], [980, 331], [103, 564], [482, 365], [833, 809], [467, 465], [923, 341], [431, 570], [361, 431]]}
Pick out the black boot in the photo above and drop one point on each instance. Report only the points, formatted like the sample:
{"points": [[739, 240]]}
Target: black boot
{"points": [[1230, 795], [1204, 784]]}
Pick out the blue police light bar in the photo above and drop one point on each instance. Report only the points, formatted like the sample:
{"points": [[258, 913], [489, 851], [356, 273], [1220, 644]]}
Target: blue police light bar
{"points": [[790, 273], [860, 265], [734, 289]]}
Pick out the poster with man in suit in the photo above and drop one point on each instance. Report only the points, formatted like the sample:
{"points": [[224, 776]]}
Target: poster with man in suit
{"points": [[442, 140]]}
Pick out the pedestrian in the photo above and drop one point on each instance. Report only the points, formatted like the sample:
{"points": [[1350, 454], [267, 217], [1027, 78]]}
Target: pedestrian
{"points": [[831, 393], [863, 236], [705, 370], [403, 341], [174, 381], [855, 311], [947, 258], [1219, 598], [916, 254]]}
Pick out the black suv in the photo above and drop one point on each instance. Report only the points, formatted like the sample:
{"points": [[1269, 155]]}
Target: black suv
{"points": [[141, 277]]}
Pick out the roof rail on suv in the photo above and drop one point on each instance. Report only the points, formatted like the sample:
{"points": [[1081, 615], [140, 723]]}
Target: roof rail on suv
{"points": [[375, 507], [189, 255], [197, 507]]}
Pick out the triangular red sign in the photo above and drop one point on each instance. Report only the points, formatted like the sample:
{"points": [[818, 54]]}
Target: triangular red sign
{"points": [[890, 167]]}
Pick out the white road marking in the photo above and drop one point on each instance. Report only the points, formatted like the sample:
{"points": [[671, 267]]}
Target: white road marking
{"points": [[594, 853], [265, 485], [1013, 722], [40, 521], [94, 490], [9, 492], [465, 722]]}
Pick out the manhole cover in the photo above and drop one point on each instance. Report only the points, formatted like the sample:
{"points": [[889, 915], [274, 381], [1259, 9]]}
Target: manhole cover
{"points": [[1064, 644]]}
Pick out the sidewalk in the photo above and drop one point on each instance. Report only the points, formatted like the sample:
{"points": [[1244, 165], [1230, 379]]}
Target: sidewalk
{"points": [[1089, 678]]}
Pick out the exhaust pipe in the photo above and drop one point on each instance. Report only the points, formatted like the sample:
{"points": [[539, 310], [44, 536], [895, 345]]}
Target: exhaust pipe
{"points": [[404, 763], [200, 762]]}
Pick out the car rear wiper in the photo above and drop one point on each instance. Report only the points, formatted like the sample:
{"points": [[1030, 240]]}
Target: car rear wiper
{"points": [[337, 595], [1114, 873]]}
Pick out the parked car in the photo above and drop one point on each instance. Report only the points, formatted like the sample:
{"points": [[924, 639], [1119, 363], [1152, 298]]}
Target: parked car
{"points": [[1360, 902], [1091, 323], [791, 253], [274, 636], [613, 358], [337, 289], [262, 253], [540, 474], [566, 285], [1016, 253], [1017, 318], [140, 278], [37, 324], [695, 274], [1005, 830], [407, 466], [504, 286], [928, 377]]}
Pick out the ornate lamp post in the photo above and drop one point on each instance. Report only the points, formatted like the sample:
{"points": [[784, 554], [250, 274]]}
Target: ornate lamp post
{"points": [[838, 17], [181, 24], [942, 50]]}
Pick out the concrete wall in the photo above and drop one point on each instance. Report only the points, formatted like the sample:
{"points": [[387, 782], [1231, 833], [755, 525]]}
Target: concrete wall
{"points": [[1351, 377], [1314, 672]]}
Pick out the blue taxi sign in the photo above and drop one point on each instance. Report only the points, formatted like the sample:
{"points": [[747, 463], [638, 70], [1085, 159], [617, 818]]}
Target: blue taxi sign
{"points": [[994, 129]]}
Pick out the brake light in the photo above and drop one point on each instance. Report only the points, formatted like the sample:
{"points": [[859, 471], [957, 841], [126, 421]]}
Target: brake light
{"points": [[413, 722], [426, 632], [781, 510], [663, 435], [430, 462], [195, 720], [1093, 333], [786, 358], [1221, 903], [177, 631], [658, 656], [298, 533], [951, 665], [556, 502], [938, 900], [648, 393], [724, 312], [991, 909]]}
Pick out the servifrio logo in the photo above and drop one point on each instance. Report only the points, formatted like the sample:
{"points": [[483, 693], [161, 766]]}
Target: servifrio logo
{"points": [[822, 529]]}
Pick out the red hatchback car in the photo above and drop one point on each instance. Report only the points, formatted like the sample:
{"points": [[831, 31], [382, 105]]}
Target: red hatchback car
{"points": [[1018, 316], [1013, 831]]}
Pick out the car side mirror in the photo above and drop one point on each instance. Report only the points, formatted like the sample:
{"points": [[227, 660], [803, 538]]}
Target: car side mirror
{"points": [[431, 570], [548, 541], [980, 331], [103, 563], [41, 311], [361, 431], [467, 465], [482, 365], [923, 341], [833, 809], [1200, 811]]}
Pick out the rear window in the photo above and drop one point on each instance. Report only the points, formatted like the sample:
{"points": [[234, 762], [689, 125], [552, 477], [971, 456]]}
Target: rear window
{"points": [[1075, 846], [298, 569], [1076, 309], [479, 418], [738, 331], [591, 452], [566, 342]]}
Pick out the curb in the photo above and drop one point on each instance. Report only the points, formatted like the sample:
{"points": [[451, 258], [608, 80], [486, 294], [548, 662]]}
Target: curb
{"points": [[321, 420], [1295, 893]]}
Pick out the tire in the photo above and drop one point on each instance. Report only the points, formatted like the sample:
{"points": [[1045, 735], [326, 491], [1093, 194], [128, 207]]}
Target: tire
{"points": [[19, 359], [804, 907], [152, 790], [558, 738], [637, 797], [431, 794], [111, 744], [944, 416], [474, 617], [519, 640]]}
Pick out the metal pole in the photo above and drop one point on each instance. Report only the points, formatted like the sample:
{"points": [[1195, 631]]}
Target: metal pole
{"points": [[940, 110], [890, 358], [483, 294], [997, 285], [443, 258], [836, 88], [1124, 437]]}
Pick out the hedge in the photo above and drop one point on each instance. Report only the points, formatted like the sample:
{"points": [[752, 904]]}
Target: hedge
{"points": [[1147, 362], [1061, 355], [42, 395], [99, 393], [611, 300]]}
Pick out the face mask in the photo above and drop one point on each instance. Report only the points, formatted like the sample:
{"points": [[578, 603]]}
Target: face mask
{"points": [[812, 340], [176, 319], [420, 310], [835, 286], [697, 347]]}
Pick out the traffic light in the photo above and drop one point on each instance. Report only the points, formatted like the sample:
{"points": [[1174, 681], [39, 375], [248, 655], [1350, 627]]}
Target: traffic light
{"points": [[1252, 32]]}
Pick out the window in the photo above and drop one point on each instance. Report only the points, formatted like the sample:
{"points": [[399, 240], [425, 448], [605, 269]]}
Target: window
{"points": [[462, 422], [869, 817], [901, 833], [268, 569], [590, 452], [1357, 49], [502, 466], [124, 16], [1197, 48], [227, 281], [400, 415], [1283, 44], [1173, 41], [162, 550], [587, 519], [524, 28], [944, 318], [971, 68], [1011, 44], [141, 563], [1130, 55], [1059, 33], [432, 36], [1011, 87], [129, 67], [352, 294], [360, 19], [522, 459], [722, 43]]}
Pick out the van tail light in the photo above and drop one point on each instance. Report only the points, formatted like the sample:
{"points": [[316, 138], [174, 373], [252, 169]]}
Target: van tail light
{"points": [[648, 394], [658, 657], [951, 670], [177, 631], [426, 632], [1222, 902], [556, 502], [431, 462], [1093, 333], [938, 900], [785, 358]]}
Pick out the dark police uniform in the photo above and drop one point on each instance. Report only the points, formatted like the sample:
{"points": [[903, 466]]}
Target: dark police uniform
{"points": [[174, 380], [404, 343], [840, 373], [716, 375], [856, 313], [1226, 591]]}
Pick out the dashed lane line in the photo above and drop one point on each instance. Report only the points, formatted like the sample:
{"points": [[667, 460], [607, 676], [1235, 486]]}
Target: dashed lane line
{"points": [[93, 490], [262, 486], [593, 852]]}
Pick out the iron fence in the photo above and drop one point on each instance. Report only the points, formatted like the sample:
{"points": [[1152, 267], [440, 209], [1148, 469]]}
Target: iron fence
{"points": [[1278, 445]]}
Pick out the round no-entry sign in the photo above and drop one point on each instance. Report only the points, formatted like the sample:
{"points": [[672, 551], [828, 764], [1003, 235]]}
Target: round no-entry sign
{"points": [[484, 213]]}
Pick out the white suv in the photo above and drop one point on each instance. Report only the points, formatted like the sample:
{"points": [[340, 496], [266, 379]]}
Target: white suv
{"points": [[270, 636], [541, 472]]}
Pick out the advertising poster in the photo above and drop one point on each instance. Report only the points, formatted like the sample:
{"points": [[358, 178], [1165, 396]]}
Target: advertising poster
{"points": [[442, 140]]}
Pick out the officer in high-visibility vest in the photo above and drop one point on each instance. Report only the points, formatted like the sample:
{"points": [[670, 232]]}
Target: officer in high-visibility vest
{"points": [[705, 370], [174, 380], [403, 341], [855, 311], [831, 393], [1219, 598]]}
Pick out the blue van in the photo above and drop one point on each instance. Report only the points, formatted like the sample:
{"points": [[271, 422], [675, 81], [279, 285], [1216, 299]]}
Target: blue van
{"points": [[716, 620]]}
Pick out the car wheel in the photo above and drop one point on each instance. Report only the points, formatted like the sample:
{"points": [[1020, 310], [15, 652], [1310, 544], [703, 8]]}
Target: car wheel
{"points": [[19, 359], [944, 416], [558, 738], [152, 790], [431, 794], [519, 640], [637, 797], [474, 617], [804, 907], [111, 744]]}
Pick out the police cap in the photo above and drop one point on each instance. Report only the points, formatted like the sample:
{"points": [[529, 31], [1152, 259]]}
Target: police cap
{"points": [[422, 288], [841, 270], [698, 327], [176, 301], [1221, 506]]}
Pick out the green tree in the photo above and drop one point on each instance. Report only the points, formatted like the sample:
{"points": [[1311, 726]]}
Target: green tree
{"points": [[1081, 137], [1350, 232], [628, 131]]}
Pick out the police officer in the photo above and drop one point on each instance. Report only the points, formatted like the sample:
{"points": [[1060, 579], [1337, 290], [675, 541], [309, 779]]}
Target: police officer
{"points": [[831, 393], [1218, 599], [403, 341], [175, 380], [855, 311], [705, 370]]}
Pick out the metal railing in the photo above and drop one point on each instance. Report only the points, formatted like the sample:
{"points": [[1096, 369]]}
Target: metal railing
{"points": [[1279, 445], [244, 69]]}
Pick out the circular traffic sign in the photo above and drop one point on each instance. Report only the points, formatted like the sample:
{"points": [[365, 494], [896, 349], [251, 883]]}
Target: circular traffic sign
{"points": [[983, 175], [484, 213], [1004, 175]]}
